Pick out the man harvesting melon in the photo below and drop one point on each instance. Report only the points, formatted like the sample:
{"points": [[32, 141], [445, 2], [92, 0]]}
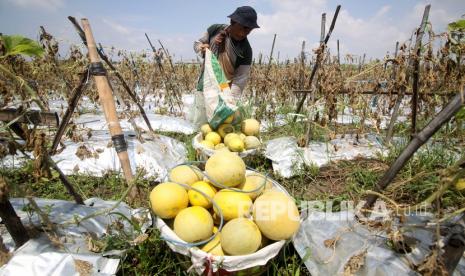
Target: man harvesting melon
{"points": [[230, 46]]}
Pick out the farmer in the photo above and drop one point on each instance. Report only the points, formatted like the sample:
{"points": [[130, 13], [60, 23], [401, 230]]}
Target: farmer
{"points": [[230, 45]]}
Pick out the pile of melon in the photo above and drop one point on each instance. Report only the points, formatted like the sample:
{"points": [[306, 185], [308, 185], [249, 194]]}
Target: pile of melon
{"points": [[227, 138], [254, 212]]}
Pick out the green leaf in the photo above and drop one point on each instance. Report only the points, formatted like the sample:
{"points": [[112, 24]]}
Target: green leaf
{"points": [[20, 45], [457, 25]]}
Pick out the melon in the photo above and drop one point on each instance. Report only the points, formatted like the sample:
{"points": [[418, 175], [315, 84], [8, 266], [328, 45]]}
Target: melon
{"points": [[193, 224], [276, 215], [242, 136], [223, 149], [208, 144], [205, 129], [214, 246], [240, 236], [220, 146], [232, 204], [213, 137], [236, 144], [185, 174], [251, 142], [250, 127], [168, 199], [460, 185], [225, 129], [229, 136], [197, 199], [255, 184], [226, 169]]}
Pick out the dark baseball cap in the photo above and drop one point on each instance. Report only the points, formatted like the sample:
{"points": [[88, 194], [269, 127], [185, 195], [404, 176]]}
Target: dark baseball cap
{"points": [[246, 16]]}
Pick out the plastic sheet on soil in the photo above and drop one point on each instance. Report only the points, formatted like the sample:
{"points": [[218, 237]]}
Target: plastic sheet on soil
{"points": [[352, 238], [40, 256]]}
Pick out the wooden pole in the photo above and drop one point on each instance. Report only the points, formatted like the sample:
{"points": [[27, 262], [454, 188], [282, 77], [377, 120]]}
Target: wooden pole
{"points": [[118, 75], [9, 217], [318, 60], [394, 66], [109, 108], [302, 68], [271, 57], [419, 139], [35, 117], [338, 56], [416, 69], [308, 135], [166, 80], [72, 103], [167, 54], [395, 112]]}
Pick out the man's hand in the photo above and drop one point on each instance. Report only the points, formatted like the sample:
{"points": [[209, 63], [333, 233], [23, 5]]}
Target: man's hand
{"points": [[203, 47], [220, 37]]}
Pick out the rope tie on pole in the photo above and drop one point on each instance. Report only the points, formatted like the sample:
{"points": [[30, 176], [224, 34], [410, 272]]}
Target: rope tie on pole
{"points": [[97, 69], [119, 143]]}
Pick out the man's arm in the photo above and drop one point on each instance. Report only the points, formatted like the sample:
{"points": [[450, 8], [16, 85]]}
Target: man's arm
{"points": [[241, 76]]}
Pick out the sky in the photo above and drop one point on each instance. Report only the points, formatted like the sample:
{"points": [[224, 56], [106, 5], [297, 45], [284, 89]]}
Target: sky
{"points": [[369, 27]]}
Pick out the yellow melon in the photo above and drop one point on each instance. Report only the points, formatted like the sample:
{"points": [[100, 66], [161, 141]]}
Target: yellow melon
{"points": [[208, 144], [251, 142], [276, 215], [193, 224], [236, 144], [205, 129], [225, 129], [185, 174], [460, 185], [213, 137], [240, 236], [225, 168], [255, 184], [197, 199], [232, 204], [250, 127], [214, 246], [168, 199], [223, 149], [229, 136], [220, 146]]}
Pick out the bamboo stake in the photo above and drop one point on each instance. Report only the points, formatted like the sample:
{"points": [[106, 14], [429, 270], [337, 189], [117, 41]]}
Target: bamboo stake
{"points": [[118, 75], [9, 217], [394, 66], [271, 57], [315, 67], [419, 139], [308, 135], [109, 109], [166, 81], [72, 103], [167, 54], [395, 112], [416, 70], [302, 68]]}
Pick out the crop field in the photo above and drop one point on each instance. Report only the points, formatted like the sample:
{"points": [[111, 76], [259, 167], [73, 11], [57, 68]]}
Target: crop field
{"points": [[55, 144]]}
